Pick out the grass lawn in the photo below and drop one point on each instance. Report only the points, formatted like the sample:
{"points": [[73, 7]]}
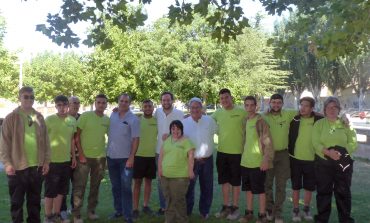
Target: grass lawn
{"points": [[360, 200]]}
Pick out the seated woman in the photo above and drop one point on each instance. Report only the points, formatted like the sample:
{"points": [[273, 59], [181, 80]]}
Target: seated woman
{"points": [[175, 169], [334, 142]]}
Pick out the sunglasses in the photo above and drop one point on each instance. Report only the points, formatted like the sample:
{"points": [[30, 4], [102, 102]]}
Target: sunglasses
{"points": [[30, 120], [26, 97]]}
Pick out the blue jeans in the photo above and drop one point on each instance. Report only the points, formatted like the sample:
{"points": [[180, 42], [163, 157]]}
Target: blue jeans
{"points": [[204, 170], [162, 200], [121, 179]]}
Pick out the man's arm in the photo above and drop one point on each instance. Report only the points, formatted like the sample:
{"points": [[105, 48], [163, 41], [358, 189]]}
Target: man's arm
{"points": [[5, 145], [134, 146], [81, 155]]}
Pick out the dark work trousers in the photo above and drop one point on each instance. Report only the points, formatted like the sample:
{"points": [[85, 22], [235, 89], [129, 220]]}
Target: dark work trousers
{"points": [[330, 178], [27, 182], [64, 201]]}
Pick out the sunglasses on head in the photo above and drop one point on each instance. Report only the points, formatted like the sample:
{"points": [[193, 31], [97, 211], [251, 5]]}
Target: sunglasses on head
{"points": [[30, 120], [26, 97]]}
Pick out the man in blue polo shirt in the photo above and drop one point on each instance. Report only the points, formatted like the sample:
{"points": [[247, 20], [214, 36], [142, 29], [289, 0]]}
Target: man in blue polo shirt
{"points": [[123, 141]]}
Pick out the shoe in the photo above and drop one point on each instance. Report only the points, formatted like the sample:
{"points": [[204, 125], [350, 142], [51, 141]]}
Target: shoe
{"points": [[269, 215], [147, 210], [248, 217], [307, 214], [296, 217], [78, 219], [64, 214], [204, 216], [160, 212], [262, 218], [129, 220], [49, 219], [115, 215], [92, 216], [63, 219], [135, 214], [234, 213], [224, 212], [279, 220]]}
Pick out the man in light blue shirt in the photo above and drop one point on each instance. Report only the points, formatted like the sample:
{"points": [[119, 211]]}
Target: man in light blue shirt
{"points": [[123, 141]]}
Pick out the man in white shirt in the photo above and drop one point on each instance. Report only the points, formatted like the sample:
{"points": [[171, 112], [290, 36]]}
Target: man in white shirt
{"points": [[165, 115], [200, 129]]}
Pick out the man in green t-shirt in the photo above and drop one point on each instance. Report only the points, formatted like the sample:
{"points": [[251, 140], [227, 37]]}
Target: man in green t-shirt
{"points": [[92, 129], [302, 155], [144, 164], [230, 121], [61, 128], [25, 153], [278, 119]]}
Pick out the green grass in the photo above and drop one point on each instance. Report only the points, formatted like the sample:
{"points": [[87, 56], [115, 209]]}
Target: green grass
{"points": [[360, 200]]}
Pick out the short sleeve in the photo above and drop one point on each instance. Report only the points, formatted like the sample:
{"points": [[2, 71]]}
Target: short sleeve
{"points": [[82, 121], [135, 129]]}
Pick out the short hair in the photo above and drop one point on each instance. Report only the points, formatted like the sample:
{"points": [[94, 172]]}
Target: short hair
{"points": [[224, 91], [309, 100], [179, 125], [61, 98], [101, 96], [195, 99], [25, 89], [169, 93], [147, 101], [276, 96], [251, 98], [72, 98], [125, 95], [331, 99]]}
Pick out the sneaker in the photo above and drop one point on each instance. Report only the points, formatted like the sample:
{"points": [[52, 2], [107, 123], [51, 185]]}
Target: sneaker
{"points": [[234, 213], [63, 219], [77, 219], [269, 215], [64, 214], [224, 212], [135, 214], [115, 216], [279, 220], [147, 210], [248, 217], [160, 212], [262, 218], [92, 215], [129, 220], [49, 219], [204, 216], [307, 214], [296, 217]]}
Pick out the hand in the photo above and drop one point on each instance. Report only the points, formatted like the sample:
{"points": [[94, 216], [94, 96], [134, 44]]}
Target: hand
{"points": [[160, 173], [264, 165], [45, 169], [82, 158], [9, 170], [73, 163], [333, 154], [115, 109], [191, 174], [130, 162], [164, 136]]}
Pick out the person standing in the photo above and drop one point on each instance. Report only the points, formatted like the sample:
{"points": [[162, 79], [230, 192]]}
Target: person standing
{"points": [[200, 129], [230, 121], [302, 155], [165, 115], [175, 168], [334, 142], [278, 119], [25, 153], [123, 141], [144, 165], [92, 128], [256, 159], [61, 128]]}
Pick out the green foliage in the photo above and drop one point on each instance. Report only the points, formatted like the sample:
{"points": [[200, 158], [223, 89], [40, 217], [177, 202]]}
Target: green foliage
{"points": [[227, 19]]}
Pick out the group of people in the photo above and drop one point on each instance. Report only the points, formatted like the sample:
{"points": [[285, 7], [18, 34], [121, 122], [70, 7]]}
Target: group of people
{"points": [[257, 153]]}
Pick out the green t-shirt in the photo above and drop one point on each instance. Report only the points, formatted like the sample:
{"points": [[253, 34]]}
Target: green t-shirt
{"points": [[279, 127], [30, 139], [252, 156], [326, 134], [303, 147], [93, 135], [148, 137], [60, 131], [230, 129], [175, 157]]}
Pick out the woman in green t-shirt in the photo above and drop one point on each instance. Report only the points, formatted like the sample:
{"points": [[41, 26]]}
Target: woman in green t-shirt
{"points": [[334, 142], [175, 169]]}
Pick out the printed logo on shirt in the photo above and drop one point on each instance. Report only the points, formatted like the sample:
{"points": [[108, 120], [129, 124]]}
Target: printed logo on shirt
{"points": [[234, 116]]}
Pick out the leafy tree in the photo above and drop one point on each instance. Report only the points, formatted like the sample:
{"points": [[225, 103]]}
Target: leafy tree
{"points": [[226, 19]]}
